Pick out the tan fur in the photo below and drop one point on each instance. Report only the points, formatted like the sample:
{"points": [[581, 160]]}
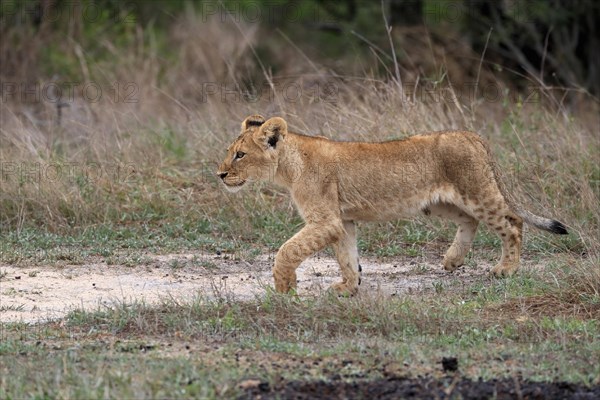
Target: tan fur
{"points": [[334, 184]]}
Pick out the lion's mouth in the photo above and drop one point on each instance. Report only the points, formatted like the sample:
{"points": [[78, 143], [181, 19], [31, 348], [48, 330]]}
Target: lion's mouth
{"points": [[240, 183], [233, 187]]}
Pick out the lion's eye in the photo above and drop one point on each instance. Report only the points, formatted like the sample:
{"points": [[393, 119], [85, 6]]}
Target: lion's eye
{"points": [[239, 154]]}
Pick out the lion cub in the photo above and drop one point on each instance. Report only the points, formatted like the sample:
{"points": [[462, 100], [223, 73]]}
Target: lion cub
{"points": [[334, 184]]}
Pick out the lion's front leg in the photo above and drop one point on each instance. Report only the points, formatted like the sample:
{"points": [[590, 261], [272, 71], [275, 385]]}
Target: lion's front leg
{"points": [[285, 278], [347, 256], [312, 238]]}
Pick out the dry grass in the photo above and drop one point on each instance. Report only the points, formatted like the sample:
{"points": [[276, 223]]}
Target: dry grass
{"points": [[174, 130], [575, 293]]}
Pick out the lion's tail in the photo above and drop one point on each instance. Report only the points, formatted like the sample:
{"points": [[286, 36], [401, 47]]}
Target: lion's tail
{"points": [[546, 224]]}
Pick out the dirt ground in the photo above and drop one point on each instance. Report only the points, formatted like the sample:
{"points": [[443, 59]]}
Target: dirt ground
{"points": [[451, 387], [46, 292]]}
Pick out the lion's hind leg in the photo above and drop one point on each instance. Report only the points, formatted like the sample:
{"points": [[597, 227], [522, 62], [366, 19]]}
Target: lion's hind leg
{"points": [[510, 229], [499, 218], [467, 228]]}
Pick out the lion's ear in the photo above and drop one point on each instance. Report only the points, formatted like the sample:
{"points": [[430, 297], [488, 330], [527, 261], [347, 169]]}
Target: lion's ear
{"points": [[271, 132], [252, 120]]}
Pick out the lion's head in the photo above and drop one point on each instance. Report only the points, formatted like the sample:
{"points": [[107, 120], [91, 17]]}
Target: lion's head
{"points": [[254, 155]]}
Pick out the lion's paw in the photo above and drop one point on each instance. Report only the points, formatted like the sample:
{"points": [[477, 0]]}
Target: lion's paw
{"points": [[344, 289], [285, 283], [504, 270]]}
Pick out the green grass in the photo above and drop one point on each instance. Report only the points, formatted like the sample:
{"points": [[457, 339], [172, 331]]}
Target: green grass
{"points": [[205, 347], [115, 244]]}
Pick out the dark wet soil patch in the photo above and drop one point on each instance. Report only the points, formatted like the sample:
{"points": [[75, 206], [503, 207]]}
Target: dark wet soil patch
{"points": [[422, 388]]}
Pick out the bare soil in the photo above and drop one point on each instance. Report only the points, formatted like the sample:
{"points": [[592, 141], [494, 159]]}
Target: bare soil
{"points": [[46, 292], [450, 387]]}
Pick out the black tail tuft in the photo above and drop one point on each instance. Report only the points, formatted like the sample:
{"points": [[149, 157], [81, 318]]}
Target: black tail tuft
{"points": [[558, 228]]}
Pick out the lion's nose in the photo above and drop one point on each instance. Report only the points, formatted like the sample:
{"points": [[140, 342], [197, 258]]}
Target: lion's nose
{"points": [[222, 175]]}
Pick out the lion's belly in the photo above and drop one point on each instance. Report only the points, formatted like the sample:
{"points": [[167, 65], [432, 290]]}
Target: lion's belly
{"points": [[399, 205], [382, 210]]}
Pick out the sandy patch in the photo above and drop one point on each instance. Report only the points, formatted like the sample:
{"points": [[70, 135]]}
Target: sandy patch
{"points": [[35, 294]]}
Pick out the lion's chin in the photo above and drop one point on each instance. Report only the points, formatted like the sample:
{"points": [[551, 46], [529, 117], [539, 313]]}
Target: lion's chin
{"points": [[235, 187]]}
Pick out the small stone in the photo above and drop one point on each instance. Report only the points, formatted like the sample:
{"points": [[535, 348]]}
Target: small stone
{"points": [[450, 364]]}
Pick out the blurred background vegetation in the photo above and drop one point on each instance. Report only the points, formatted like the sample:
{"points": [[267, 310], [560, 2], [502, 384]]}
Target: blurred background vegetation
{"points": [[550, 43]]}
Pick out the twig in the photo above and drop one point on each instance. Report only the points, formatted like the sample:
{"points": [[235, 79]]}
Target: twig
{"points": [[287, 39], [371, 44], [545, 52], [388, 29], [380, 60], [180, 104], [481, 62], [82, 62]]}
